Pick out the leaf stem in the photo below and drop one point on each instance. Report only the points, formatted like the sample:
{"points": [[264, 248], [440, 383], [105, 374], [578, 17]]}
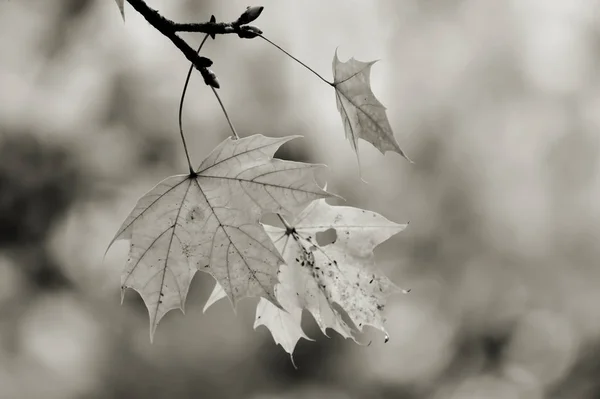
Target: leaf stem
{"points": [[297, 60], [285, 223], [185, 86], [236, 136]]}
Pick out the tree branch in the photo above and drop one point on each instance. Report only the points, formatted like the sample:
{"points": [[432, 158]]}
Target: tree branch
{"points": [[169, 29]]}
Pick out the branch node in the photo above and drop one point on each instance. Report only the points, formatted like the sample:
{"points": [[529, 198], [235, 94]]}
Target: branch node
{"points": [[249, 32]]}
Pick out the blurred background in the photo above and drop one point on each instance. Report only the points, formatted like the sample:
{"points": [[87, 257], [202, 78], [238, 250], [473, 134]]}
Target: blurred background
{"points": [[498, 103]]}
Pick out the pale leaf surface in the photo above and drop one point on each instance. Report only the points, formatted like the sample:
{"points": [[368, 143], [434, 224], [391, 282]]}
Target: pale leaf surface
{"points": [[210, 221]]}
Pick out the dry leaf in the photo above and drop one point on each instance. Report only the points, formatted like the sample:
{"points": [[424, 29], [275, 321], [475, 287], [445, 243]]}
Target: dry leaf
{"points": [[362, 114]]}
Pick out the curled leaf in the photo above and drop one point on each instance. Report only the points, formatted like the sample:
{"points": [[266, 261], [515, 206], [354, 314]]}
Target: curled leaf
{"points": [[362, 114]]}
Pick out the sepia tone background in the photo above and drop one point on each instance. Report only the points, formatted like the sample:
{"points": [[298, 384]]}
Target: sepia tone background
{"points": [[497, 102]]}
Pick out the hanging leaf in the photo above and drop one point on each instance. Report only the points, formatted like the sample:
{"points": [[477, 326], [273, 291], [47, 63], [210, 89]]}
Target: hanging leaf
{"points": [[209, 220], [362, 114]]}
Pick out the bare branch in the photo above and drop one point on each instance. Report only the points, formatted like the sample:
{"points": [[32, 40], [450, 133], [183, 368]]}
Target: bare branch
{"points": [[169, 29]]}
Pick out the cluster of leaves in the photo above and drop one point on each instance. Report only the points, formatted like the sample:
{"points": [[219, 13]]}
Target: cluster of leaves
{"points": [[210, 220]]}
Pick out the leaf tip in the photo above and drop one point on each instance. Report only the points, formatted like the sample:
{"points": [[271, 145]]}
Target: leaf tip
{"points": [[293, 362], [123, 289], [152, 331]]}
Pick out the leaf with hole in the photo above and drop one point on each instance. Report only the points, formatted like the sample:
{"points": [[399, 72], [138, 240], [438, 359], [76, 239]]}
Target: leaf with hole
{"points": [[343, 273], [320, 277], [209, 220]]}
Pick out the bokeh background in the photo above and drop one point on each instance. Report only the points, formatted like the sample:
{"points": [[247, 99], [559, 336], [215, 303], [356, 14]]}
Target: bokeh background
{"points": [[497, 102]]}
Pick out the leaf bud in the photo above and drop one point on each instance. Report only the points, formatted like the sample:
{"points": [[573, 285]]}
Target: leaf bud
{"points": [[249, 15], [212, 20], [210, 78]]}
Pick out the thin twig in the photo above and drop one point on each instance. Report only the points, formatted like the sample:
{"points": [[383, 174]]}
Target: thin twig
{"points": [[297, 60], [185, 86]]}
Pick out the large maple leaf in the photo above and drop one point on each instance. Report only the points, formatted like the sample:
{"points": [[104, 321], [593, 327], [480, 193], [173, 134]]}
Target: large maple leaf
{"points": [[318, 277], [362, 114], [209, 220]]}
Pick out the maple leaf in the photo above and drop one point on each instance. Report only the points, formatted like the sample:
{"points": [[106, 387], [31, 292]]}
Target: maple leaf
{"points": [[362, 114], [342, 273], [319, 277], [209, 220], [121, 5]]}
